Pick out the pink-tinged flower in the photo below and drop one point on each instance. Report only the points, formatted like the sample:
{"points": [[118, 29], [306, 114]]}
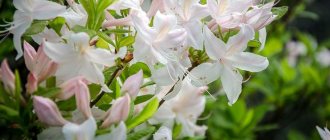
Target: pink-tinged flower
{"points": [[156, 5], [132, 84], [27, 11], [160, 42], [118, 112], [32, 83], [38, 63], [47, 111], [7, 77], [78, 58], [77, 87], [83, 98]]}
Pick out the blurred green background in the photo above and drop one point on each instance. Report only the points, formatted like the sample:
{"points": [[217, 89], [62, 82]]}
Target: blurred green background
{"points": [[286, 101]]}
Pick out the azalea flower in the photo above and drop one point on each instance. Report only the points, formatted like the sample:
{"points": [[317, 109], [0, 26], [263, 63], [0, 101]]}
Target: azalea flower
{"points": [[325, 134], [323, 57], [185, 108], [78, 58], [47, 34], [154, 44], [75, 15], [27, 11], [117, 133], [189, 14], [226, 59], [227, 13], [163, 133], [7, 76]]}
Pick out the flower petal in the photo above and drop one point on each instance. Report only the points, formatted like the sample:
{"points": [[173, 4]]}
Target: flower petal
{"points": [[43, 9], [238, 43], [231, 81], [249, 61], [204, 74], [214, 47]]}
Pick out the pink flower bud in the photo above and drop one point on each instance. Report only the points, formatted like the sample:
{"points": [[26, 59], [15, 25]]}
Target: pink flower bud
{"points": [[132, 84], [118, 112], [32, 83], [7, 77], [47, 111], [78, 87], [83, 99], [69, 87], [29, 56], [38, 62]]}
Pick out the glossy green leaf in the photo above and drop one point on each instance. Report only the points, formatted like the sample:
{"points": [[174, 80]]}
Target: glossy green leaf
{"points": [[142, 98], [36, 27], [145, 114]]}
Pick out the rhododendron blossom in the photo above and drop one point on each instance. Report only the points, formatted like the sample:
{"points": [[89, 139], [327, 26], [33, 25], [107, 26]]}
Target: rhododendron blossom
{"points": [[107, 69]]}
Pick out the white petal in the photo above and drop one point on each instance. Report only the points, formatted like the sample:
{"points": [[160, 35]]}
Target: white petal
{"points": [[262, 38], [175, 91], [194, 34], [231, 81], [119, 133], [51, 133], [59, 52], [163, 133], [249, 61], [238, 43], [46, 9], [214, 47], [85, 131], [204, 74], [21, 23], [92, 72], [163, 23], [162, 77], [101, 56]]}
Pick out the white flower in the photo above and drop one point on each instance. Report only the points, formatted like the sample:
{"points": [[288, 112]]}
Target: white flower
{"points": [[75, 15], [325, 134], [78, 58], [228, 57], [189, 14], [84, 131], [163, 133], [118, 133], [295, 49], [226, 12], [185, 108], [47, 34], [27, 11], [323, 57], [155, 44]]}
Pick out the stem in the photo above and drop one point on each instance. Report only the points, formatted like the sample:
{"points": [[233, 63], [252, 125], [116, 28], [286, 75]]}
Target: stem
{"points": [[113, 76], [194, 65]]}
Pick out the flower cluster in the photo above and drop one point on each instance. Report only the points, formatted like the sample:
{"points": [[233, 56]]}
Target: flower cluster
{"points": [[130, 69]]}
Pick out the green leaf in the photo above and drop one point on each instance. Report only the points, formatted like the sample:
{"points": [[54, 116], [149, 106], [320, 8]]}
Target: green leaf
{"points": [[137, 67], [254, 43], [9, 112], [106, 38], [79, 28], [145, 114], [280, 11], [57, 24], [67, 105], [176, 130], [36, 27], [51, 82], [142, 98], [48, 92], [103, 4], [141, 133], [18, 87], [117, 31], [126, 41], [101, 43]]}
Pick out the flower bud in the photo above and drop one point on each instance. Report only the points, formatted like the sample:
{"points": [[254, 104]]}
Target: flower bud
{"points": [[7, 77], [29, 56], [118, 112], [47, 111], [83, 98], [132, 84], [32, 83]]}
